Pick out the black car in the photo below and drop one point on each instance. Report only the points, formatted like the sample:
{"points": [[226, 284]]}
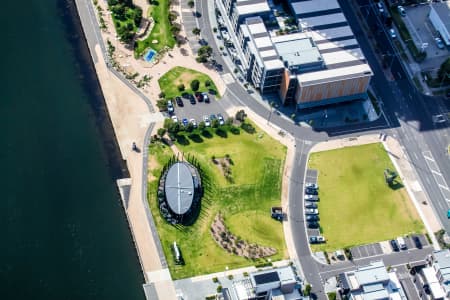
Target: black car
{"points": [[313, 225], [179, 101], [192, 99], [310, 191], [394, 245], [417, 242], [312, 218]]}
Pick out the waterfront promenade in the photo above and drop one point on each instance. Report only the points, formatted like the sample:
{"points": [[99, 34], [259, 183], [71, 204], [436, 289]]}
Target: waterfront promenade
{"points": [[133, 119]]}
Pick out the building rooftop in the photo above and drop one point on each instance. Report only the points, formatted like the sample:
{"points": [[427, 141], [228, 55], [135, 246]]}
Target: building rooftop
{"points": [[373, 273], [311, 78], [443, 11], [299, 52], [304, 8], [322, 20], [246, 7], [179, 188]]}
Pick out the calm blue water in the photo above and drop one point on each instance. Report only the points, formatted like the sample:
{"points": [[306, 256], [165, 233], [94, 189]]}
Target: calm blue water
{"points": [[63, 230], [149, 55]]}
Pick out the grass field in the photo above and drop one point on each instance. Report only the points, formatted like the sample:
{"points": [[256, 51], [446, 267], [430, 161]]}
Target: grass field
{"points": [[169, 81], [245, 204], [160, 31], [356, 205]]}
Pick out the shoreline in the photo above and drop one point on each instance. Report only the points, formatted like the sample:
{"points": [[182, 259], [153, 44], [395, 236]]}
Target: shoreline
{"points": [[133, 119]]}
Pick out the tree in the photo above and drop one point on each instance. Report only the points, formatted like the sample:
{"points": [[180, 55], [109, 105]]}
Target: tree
{"points": [[240, 115], [191, 3], [195, 84], [172, 16], [201, 125], [307, 290], [175, 29], [190, 127], [205, 50], [181, 87], [215, 123], [196, 31], [162, 104], [161, 132], [208, 82]]}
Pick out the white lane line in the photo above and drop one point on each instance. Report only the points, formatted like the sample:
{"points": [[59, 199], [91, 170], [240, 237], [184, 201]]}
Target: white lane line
{"points": [[444, 187], [428, 158], [436, 172]]}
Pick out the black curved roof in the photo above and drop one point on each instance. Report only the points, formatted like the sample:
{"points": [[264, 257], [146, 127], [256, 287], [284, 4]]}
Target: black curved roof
{"points": [[179, 188]]}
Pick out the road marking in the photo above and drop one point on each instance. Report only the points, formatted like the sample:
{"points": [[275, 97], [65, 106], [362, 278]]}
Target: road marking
{"points": [[437, 173], [444, 187]]}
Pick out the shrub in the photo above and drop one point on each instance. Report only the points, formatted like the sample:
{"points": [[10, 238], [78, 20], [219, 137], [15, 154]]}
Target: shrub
{"points": [[162, 95], [161, 132], [230, 277], [207, 82], [195, 84], [307, 290], [181, 87], [240, 115], [247, 127], [162, 104], [235, 130], [245, 274], [219, 289], [215, 279], [191, 3]]}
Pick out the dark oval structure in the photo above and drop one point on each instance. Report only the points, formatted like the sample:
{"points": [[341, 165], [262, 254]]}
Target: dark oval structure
{"points": [[181, 184]]}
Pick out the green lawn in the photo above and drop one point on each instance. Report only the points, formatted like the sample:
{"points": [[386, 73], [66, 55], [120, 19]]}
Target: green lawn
{"points": [[245, 204], [356, 206], [169, 82], [160, 31]]}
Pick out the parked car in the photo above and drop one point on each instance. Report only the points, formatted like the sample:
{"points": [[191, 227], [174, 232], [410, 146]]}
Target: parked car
{"points": [[205, 97], [439, 119], [439, 43], [309, 191], [401, 243], [174, 118], [185, 122], [316, 239], [311, 197], [170, 108], [313, 225], [312, 186], [394, 245], [179, 101], [392, 33], [310, 205], [220, 118], [380, 7], [448, 214], [401, 11], [198, 96], [207, 121], [417, 242], [311, 211], [193, 122], [312, 218]]}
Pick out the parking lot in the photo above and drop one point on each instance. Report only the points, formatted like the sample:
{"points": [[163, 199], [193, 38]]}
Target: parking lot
{"points": [[381, 248], [199, 109], [311, 177], [423, 34]]}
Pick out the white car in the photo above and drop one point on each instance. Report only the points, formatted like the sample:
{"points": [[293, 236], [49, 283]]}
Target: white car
{"points": [[207, 121], [311, 198], [392, 33], [220, 118], [170, 106], [193, 122], [311, 211], [174, 118], [380, 7]]}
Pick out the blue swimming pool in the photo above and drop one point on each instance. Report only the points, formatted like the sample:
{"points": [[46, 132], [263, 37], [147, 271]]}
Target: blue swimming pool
{"points": [[149, 55]]}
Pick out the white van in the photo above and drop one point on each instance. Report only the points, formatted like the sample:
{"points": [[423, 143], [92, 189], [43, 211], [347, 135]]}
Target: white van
{"points": [[401, 243]]}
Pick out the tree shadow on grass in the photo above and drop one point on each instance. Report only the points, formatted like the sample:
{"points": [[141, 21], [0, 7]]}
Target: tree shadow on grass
{"points": [[207, 134], [221, 132], [182, 140], [195, 138]]}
